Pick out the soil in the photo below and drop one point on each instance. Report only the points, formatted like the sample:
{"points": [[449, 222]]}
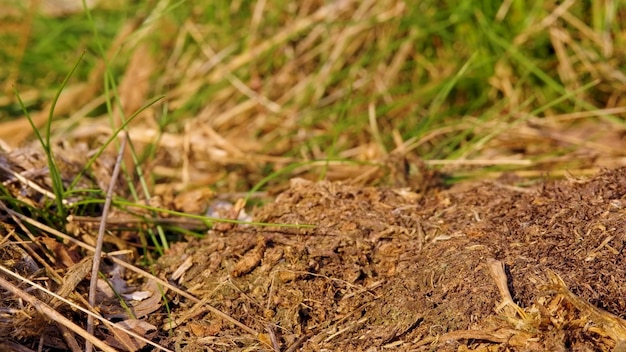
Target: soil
{"points": [[391, 269]]}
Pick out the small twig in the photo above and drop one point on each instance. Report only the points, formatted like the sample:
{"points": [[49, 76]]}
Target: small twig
{"points": [[134, 221], [298, 342], [480, 162], [30, 184], [508, 306], [273, 338], [98, 251], [69, 338]]}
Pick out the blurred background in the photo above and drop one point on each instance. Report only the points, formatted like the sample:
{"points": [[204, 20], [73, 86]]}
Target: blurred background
{"points": [[227, 94]]}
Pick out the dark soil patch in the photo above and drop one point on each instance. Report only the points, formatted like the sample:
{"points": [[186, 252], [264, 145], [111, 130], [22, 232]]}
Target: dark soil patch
{"points": [[386, 268]]}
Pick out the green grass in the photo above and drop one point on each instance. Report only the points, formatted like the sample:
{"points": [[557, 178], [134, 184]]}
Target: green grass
{"points": [[449, 76]]}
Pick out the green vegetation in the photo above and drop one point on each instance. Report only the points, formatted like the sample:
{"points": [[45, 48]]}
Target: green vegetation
{"points": [[304, 80]]}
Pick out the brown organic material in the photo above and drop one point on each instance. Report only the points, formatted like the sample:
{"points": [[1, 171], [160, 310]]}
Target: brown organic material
{"points": [[383, 269]]}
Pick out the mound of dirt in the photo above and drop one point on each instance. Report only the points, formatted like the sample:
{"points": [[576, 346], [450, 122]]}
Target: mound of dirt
{"points": [[481, 267]]}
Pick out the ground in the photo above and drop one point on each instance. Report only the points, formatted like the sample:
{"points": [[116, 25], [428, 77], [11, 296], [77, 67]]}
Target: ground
{"points": [[389, 268], [416, 265]]}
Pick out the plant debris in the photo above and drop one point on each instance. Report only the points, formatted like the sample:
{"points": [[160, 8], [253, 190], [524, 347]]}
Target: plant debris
{"points": [[231, 110], [381, 269]]}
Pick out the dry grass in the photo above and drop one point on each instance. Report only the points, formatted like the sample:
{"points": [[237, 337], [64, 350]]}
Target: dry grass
{"points": [[352, 81], [267, 91]]}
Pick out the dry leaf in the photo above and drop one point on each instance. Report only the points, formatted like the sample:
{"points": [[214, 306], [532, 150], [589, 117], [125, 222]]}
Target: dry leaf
{"points": [[126, 342]]}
